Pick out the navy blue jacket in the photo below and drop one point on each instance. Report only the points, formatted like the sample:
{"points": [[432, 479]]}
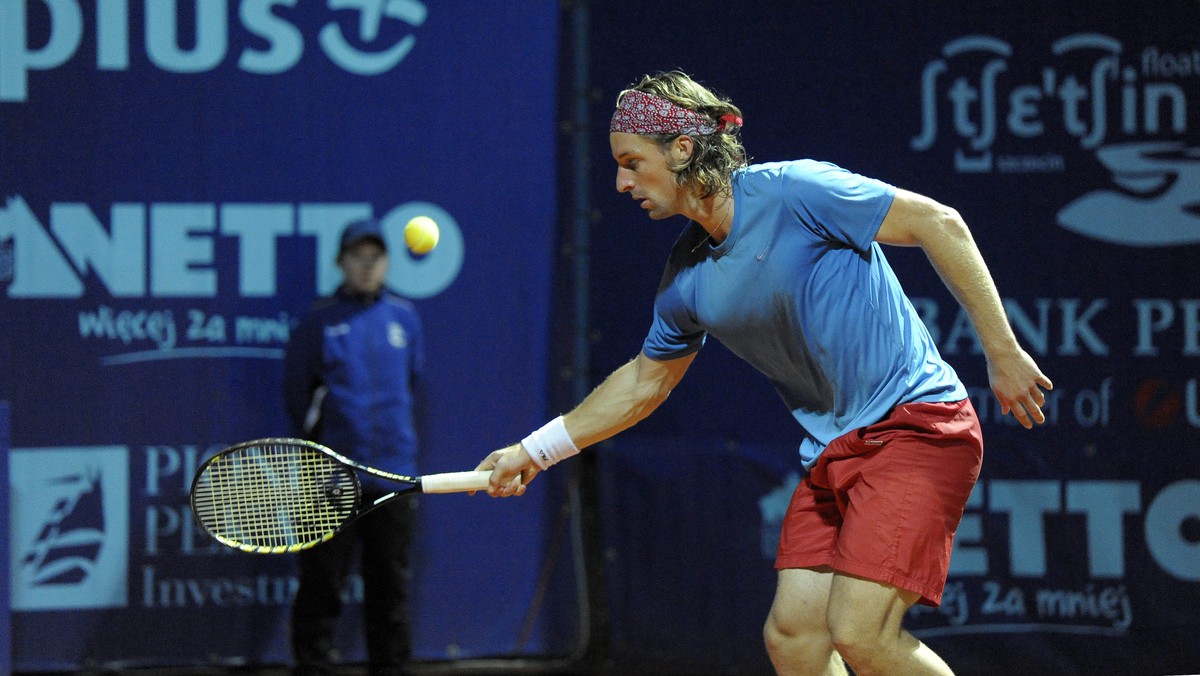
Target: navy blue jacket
{"points": [[351, 376]]}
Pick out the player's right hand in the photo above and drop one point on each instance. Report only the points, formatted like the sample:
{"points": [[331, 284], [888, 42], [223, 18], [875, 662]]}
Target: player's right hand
{"points": [[512, 470], [1019, 386]]}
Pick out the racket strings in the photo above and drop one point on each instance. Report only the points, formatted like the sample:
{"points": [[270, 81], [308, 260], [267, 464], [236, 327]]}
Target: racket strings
{"points": [[274, 496]]}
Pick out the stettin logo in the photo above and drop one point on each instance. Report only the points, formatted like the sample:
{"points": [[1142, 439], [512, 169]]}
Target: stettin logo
{"points": [[1128, 107]]}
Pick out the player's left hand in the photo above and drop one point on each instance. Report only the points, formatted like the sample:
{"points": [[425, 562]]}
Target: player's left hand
{"points": [[512, 470], [1017, 383]]}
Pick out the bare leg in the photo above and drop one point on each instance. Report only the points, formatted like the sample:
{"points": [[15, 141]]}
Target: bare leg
{"points": [[864, 622], [796, 633]]}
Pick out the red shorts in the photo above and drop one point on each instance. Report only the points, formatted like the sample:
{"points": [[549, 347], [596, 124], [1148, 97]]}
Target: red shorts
{"points": [[883, 502]]}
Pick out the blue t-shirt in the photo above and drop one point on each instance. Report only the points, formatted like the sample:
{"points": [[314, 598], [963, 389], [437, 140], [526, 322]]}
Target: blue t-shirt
{"points": [[801, 291]]}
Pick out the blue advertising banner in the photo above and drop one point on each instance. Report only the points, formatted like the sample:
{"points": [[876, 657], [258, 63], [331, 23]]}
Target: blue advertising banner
{"points": [[5, 583], [174, 177], [1068, 136]]}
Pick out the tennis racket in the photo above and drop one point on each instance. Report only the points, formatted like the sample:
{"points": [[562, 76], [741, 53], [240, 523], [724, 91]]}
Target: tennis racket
{"points": [[273, 496]]}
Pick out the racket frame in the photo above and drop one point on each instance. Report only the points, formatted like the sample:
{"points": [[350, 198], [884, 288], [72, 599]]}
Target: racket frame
{"points": [[434, 483]]}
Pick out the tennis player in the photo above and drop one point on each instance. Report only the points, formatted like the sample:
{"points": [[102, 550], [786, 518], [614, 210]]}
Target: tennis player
{"points": [[782, 263]]}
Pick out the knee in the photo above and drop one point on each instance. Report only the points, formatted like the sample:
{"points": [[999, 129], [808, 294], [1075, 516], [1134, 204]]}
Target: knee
{"points": [[775, 636], [857, 642], [777, 632], [793, 643]]}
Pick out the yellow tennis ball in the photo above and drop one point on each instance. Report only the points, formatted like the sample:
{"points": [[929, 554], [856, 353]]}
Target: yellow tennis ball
{"points": [[421, 234]]}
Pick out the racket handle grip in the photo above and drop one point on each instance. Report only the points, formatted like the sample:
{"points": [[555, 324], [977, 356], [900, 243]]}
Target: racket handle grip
{"points": [[456, 482]]}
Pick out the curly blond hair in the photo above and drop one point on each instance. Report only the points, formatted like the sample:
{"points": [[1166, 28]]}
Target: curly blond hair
{"points": [[710, 169]]}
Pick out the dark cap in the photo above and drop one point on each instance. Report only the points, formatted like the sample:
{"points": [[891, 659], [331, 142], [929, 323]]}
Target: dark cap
{"points": [[357, 231]]}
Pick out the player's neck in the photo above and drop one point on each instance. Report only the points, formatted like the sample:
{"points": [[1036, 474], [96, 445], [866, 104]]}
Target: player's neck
{"points": [[715, 214]]}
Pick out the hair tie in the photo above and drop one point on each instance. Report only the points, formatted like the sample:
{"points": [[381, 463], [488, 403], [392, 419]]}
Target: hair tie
{"points": [[729, 123]]}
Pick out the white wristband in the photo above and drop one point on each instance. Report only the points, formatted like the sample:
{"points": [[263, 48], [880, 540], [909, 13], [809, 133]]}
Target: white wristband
{"points": [[550, 444]]}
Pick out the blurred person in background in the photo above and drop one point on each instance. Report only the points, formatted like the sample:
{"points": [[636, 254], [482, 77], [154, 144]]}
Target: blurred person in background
{"points": [[352, 382]]}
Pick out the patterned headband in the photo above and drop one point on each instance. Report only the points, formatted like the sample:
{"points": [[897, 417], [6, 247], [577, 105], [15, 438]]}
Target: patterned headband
{"points": [[641, 113]]}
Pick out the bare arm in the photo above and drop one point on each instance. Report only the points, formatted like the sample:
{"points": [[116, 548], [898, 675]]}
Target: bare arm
{"points": [[627, 396], [915, 220]]}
